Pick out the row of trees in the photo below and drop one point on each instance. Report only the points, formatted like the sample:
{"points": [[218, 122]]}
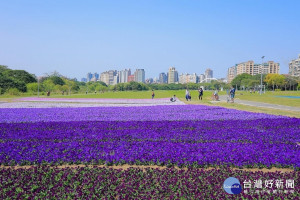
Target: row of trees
{"points": [[54, 83], [102, 87], [14, 80], [271, 81]]}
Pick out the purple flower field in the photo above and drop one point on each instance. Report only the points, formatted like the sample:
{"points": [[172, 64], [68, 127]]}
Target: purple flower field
{"points": [[142, 113], [134, 183], [188, 135]]}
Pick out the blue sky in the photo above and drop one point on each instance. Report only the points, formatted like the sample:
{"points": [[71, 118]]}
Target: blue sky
{"points": [[77, 37]]}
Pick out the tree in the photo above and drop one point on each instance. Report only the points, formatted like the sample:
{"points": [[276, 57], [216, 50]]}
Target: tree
{"points": [[57, 80], [48, 85], [20, 75], [291, 82], [32, 87], [7, 83], [3, 68], [71, 85], [237, 80], [275, 80]]}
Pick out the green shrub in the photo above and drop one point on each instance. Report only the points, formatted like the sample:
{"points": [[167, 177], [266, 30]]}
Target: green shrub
{"points": [[13, 91]]}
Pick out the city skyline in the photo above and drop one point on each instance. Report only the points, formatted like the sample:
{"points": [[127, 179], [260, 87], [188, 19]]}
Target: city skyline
{"points": [[75, 37]]}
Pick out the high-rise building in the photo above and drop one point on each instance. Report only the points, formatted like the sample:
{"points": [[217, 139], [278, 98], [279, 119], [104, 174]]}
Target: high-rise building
{"points": [[163, 78], [188, 78], [294, 67], [139, 75], [104, 77], [246, 67], [131, 78], [89, 77], [149, 80], [84, 80], [269, 68], [115, 79], [253, 69], [231, 74], [112, 79], [95, 77], [201, 78], [208, 73], [172, 75], [123, 75]]}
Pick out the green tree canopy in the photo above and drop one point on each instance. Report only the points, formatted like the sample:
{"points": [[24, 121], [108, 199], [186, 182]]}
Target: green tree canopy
{"points": [[20, 75], [238, 79], [57, 80], [275, 80]]}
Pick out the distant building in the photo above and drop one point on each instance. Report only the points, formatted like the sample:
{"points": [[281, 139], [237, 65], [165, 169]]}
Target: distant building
{"points": [[113, 77], [123, 75], [253, 69], [109, 77], [172, 75], [163, 78], [201, 78], [130, 78], [269, 68], [115, 80], [84, 80], [208, 80], [224, 80], [149, 80], [95, 77], [294, 67], [139, 75], [104, 77], [188, 78], [209, 73], [231, 74], [89, 77]]}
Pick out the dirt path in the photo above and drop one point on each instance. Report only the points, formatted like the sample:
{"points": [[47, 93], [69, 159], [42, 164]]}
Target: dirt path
{"points": [[126, 166]]}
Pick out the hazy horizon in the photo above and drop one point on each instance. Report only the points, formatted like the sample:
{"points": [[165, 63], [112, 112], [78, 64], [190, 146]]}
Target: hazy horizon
{"points": [[74, 38]]}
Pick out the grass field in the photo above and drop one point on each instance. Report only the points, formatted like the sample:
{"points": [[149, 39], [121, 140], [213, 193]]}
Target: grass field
{"points": [[136, 94], [270, 97]]}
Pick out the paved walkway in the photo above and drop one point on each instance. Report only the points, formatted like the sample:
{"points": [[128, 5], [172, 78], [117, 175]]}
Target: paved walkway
{"points": [[261, 104]]}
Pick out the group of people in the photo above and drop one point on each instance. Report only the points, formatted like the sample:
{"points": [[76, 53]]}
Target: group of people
{"points": [[189, 97]]}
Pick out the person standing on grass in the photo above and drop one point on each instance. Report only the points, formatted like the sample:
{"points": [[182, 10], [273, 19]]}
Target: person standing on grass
{"points": [[232, 92], [200, 93], [153, 94], [187, 94]]}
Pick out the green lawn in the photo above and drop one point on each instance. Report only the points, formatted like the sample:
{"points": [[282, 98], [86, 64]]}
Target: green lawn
{"points": [[135, 94], [270, 97]]}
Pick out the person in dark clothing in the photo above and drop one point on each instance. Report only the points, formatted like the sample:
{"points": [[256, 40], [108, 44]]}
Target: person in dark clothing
{"points": [[173, 99], [200, 93]]}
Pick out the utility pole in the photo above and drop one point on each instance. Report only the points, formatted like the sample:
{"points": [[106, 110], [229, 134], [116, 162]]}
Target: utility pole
{"points": [[38, 86], [261, 70]]}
